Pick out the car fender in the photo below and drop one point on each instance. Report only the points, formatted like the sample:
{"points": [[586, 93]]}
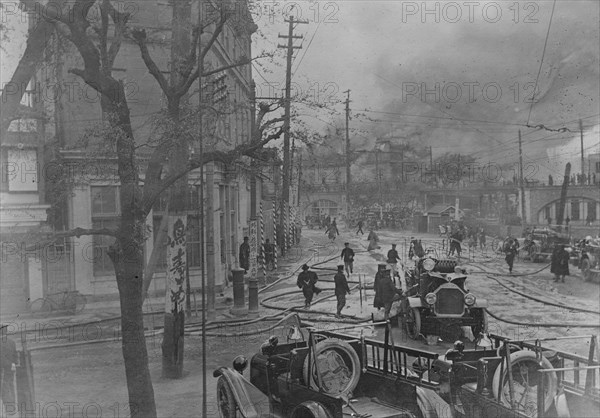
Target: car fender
{"points": [[252, 403], [432, 405], [315, 409], [415, 302], [480, 303]]}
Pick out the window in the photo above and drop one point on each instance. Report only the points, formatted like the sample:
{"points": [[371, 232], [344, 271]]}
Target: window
{"points": [[105, 214], [547, 212], [597, 166], [591, 211], [21, 170], [193, 241], [104, 200]]}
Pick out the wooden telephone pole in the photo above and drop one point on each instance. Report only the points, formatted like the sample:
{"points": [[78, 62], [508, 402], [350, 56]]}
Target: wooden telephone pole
{"points": [[521, 185], [285, 192], [348, 178]]}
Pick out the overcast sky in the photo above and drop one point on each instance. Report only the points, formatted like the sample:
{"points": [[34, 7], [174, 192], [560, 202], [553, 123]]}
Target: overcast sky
{"points": [[459, 74], [477, 62]]}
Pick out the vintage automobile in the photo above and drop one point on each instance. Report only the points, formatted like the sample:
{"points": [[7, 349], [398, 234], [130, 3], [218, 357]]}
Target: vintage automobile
{"points": [[539, 243], [438, 301], [512, 378], [329, 374], [588, 251]]}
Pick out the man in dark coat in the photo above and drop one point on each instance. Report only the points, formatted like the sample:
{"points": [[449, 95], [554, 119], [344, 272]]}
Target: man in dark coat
{"points": [[377, 301], [360, 225], [392, 259], [348, 256], [386, 290], [245, 255], [511, 248], [307, 282], [341, 289], [560, 263]]}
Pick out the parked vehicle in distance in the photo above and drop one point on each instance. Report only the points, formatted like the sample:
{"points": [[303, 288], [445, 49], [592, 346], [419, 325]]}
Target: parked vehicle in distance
{"points": [[72, 302], [588, 258], [539, 243]]}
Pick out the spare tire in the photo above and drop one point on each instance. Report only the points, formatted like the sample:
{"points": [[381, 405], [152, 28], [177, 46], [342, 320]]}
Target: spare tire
{"points": [[339, 367], [522, 364]]}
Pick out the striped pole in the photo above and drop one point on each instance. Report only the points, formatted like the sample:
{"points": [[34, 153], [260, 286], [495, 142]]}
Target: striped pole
{"points": [[285, 228], [274, 235], [261, 223]]}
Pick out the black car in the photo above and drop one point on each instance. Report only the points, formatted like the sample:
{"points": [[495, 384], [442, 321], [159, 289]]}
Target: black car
{"points": [[438, 301]]}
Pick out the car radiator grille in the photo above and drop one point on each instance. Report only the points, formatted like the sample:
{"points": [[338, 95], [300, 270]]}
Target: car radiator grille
{"points": [[449, 302]]}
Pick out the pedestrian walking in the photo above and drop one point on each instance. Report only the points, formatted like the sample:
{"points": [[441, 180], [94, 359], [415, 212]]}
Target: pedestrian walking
{"points": [[393, 258], [307, 281], [348, 257], [385, 290], [360, 225], [341, 289], [511, 247], [482, 244], [9, 358], [373, 240], [559, 263], [332, 231], [245, 255], [377, 302]]}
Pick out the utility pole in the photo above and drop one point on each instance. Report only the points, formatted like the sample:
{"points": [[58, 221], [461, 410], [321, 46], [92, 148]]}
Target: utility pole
{"points": [[582, 159], [348, 179], [521, 185], [285, 192]]}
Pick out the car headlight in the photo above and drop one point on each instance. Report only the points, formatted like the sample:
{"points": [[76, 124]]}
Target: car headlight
{"points": [[470, 299], [430, 298], [429, 264]]}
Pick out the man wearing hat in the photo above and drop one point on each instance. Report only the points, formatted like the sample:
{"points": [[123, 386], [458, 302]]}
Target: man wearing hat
{"points": [[387, 291], [307, 282], [377, 301], [392, 259], [341, 288], [348, 256]]}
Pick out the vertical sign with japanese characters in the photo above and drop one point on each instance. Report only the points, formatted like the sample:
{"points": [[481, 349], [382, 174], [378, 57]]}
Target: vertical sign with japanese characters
{"points": [[176, 264], [253, 248]]}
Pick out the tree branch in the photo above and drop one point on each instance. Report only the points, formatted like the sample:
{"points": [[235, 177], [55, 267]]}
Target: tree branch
{"points": [[226, 157], [139, 35]]}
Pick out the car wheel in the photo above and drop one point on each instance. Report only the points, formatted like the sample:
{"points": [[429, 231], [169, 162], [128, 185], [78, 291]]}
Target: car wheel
{"points": [[481, 326], [585, 270], [413, 323], [526, 379], [339, 368], [227, 406]]}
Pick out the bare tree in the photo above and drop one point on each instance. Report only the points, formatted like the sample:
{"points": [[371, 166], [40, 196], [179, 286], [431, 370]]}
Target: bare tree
{"points": [[97, 42]]}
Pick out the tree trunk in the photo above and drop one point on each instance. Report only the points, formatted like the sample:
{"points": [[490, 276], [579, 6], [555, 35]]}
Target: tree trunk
{"points": [[28, 64], [128, 260]]}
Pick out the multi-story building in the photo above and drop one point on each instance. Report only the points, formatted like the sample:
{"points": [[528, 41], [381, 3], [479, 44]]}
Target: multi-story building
{"points": [[91, 198]]}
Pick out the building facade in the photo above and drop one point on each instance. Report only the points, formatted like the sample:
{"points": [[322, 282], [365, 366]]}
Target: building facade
{"points": [[90, 183]]}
